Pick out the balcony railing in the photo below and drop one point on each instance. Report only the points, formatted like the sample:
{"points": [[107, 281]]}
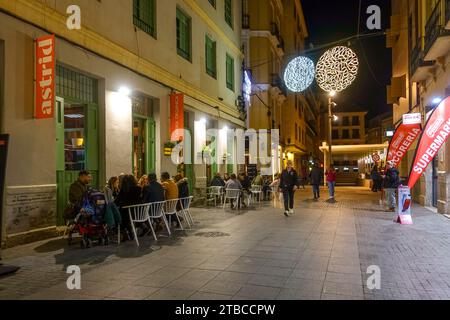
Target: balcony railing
{"points": [[435, 26], [246, 21]]}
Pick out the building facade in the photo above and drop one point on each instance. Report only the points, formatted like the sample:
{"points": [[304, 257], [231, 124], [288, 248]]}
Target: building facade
{"points": [[274, 33], [113, 87], [420, 40], [380, 129]]}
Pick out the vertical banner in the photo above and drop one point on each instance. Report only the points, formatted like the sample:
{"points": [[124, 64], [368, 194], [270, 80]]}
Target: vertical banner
{"points": [[177, 114], [45, 74], [401, 142], [404, 205], [435, 134]]}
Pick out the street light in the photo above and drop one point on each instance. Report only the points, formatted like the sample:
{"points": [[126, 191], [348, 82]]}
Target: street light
{"points": [[331, 105]]}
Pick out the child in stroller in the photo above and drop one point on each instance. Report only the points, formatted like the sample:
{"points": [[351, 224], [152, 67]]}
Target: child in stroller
{"points": [[89, 221]]}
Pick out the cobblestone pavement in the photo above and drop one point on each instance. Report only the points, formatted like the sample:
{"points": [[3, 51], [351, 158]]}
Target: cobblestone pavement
{"points": [[322, 252]]}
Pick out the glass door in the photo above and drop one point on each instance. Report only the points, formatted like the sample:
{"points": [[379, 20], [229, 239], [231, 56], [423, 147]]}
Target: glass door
{"points": [[139, 147], [435, 182]]}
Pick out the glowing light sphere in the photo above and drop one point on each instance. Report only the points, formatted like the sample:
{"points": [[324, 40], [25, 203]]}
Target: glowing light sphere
{"points": [[337, 69], [299, 74]]}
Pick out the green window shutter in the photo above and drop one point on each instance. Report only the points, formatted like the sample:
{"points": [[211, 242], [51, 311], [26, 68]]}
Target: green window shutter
{"points": [[210, 48], [230, 72], [151, 151], [144, 15], [229, 12], [92, 138], [183, 35]]}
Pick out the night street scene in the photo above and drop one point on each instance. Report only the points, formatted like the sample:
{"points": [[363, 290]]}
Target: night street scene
{"points": [[260, 151]]}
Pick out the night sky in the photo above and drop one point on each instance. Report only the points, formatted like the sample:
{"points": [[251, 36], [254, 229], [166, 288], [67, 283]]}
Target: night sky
{"points": [[330, 21]]}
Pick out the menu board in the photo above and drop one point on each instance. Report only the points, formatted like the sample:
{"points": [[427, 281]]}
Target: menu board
{"points": [[252, 171]]}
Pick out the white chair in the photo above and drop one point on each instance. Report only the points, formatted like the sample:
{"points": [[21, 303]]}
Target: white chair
{"points": [[275, 192], [256, 191], [156, 211], [170, 209], [232, 194], [215, 193], [138, 214], [186, 211]]}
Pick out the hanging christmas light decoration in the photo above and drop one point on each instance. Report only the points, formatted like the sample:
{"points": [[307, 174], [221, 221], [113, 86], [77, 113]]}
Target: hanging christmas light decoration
{"points": [[299, 74], [337, 69]]}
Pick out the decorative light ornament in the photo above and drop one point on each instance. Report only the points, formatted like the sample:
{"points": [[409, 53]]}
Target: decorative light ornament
{"points": [[299, 74], [337, 69]]}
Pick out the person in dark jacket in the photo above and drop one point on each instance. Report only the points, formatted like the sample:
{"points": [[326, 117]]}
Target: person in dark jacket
{"points": [[391, 183], [376, 178], [288, 185], [217, 181], [153, 192], [129, 195], [316, 177], [78, 189]]}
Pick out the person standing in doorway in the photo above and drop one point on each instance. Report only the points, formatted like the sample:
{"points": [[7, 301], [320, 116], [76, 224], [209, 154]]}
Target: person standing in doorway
{"points": [[316, 177], [288, 185], [331, 182]]}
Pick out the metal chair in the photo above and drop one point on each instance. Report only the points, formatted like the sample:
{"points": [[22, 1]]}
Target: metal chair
{"points": [[256, 191], [156, 211], [185, 209], [170, 209], [138, 213], [214, 193], [232, 194]]}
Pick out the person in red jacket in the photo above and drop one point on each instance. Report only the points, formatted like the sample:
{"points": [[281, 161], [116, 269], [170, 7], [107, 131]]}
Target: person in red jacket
{"points": [[331, 181]]}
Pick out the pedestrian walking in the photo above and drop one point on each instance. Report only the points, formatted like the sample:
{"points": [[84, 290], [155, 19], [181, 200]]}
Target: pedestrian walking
{"points": [[288, 186], [376, 179], [316, 177], [331, 182]]}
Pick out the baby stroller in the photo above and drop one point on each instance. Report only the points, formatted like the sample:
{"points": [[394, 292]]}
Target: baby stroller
{"points": [[89, 221]]}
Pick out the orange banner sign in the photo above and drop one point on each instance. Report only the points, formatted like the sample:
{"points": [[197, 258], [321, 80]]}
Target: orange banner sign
{"points": [[45, 77], [177, 114]]}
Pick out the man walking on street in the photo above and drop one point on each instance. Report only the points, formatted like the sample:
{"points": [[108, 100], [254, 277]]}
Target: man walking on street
{"points": [[316, 177], [288, 185]]}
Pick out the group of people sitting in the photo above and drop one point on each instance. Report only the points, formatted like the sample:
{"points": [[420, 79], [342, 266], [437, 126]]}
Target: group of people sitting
{"points": [[125, 190], [244, 183]]}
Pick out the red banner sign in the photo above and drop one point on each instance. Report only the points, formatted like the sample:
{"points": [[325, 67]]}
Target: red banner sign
{"points": [[435, 134], [404, 137], [177, 114], [45, 77]]}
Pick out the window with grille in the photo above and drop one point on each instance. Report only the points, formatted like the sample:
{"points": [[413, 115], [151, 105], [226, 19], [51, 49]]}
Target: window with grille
{"points": [[356, 134], [210, 54], [144, 16], [184, 35], [229, 12], [230, 72], [76, 86]]}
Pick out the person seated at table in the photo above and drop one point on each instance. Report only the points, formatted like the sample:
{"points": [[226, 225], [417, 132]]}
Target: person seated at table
{"points": [[153, 191], [170, 187], [226, 177], [217, 181], [258, 180], [233, 184], [129, 195]]}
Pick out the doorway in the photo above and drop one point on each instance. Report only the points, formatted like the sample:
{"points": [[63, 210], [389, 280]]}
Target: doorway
{"points": [[77, 134], [143, 137], [435, 182]]}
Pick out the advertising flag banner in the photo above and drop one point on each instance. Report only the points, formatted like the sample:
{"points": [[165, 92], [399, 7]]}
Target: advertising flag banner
{"points": [[435, 134], [177, 114], [404, 206], [401, 142], [45, 77]]}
